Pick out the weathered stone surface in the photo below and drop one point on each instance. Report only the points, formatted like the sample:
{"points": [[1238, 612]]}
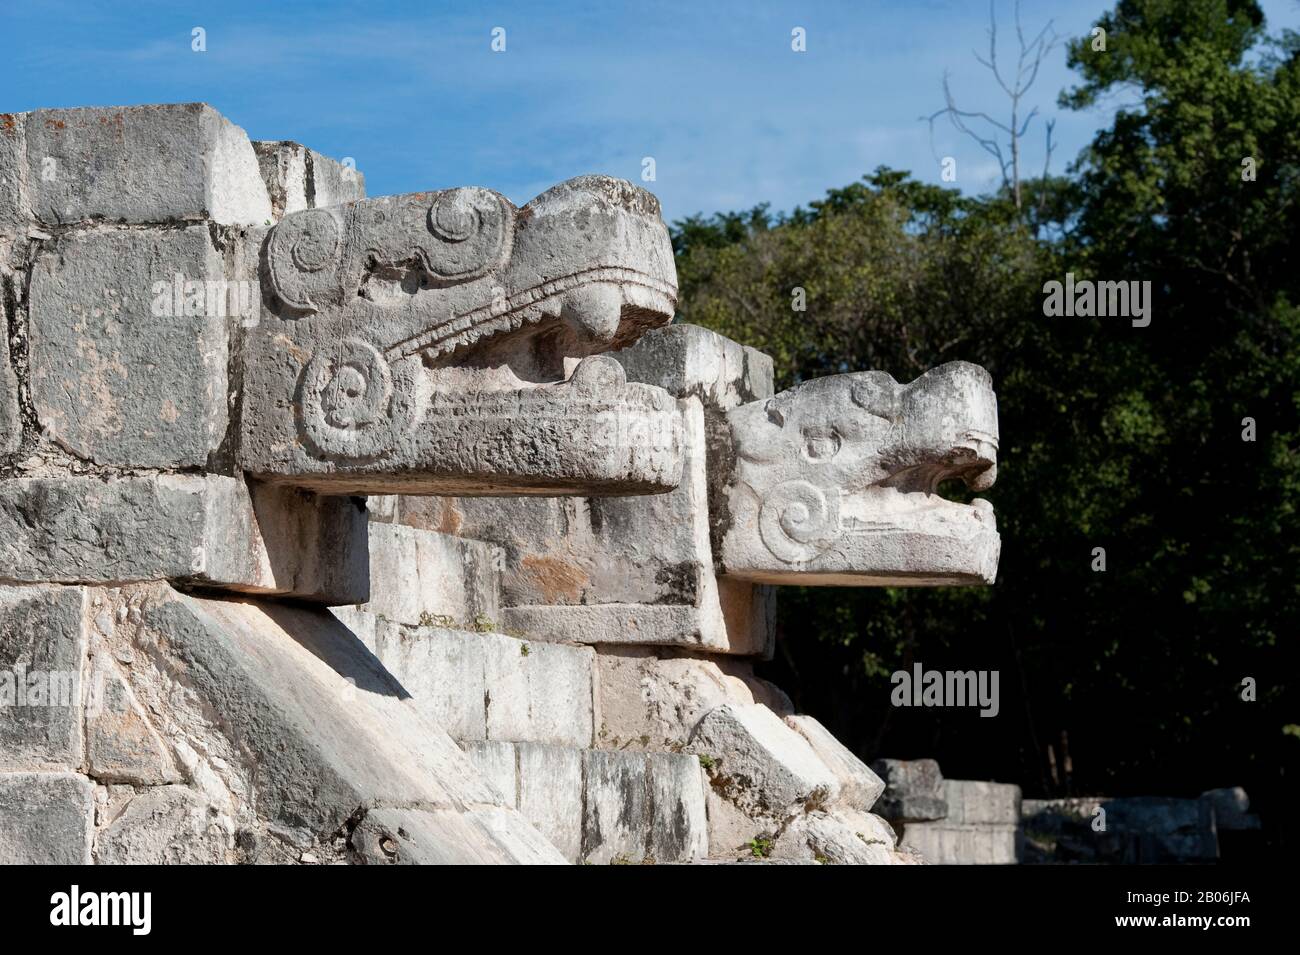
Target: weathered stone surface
{"points": [[299, 178], [142, 164], [419, 577], [167, 825], [467, 375], [119, 375], [482, 836], [981, 803], [690, 361], [121, 743], [11, 422], [859, 786], [497, 762], [489, 685], [15, 206], [836, 839], [617, 810], [208, 530], [914, 790], [45, 819], [635, 570], [42, 646], [650, 702], [679, 828], [835, 482], [442, 669], [760, 764], [538, 692], [551, 794], [944, 843], [234, 681]]}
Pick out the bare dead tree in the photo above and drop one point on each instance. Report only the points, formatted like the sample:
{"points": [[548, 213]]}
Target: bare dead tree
{"points": [[1002, 140]]}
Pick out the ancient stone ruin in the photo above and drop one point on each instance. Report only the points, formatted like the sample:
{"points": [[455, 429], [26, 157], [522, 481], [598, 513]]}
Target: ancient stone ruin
{"points": [[408, 529]]}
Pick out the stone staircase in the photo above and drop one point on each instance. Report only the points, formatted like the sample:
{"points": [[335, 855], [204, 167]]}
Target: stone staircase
{"points": [[588, 746]]}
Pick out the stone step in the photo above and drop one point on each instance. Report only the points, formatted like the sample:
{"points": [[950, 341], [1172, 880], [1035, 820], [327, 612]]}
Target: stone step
{"points": [[603, 806], [486, 685], [422, 577]]}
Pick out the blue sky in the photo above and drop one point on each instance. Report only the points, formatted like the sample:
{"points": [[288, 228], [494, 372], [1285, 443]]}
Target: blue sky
{"points": [[415, 94]]}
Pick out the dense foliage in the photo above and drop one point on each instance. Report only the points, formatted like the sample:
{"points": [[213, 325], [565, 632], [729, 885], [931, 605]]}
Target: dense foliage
{"points": [[1118, 682]]}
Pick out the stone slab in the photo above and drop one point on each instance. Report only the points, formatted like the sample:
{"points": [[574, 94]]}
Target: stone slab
{"points": [[45, 819], [616, 813], [498, 763], [208, 531], [538, 692], [551, 794], [142, 164], [422, 577], [691, 361], [43, 644], [119, 375], [978, 803], [299, 178], [859, 786], [760, 764], [944, 843], [913, 790]]}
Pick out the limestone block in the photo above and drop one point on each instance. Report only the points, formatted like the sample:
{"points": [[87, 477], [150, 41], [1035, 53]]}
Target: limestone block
{"points": [[629, 570], [121, 744], [210, 531], [914, 790], [649, 702], [418, 576], [834, 482], [981, 803], [476, 372], [120, 375], [42, 647], [45, 819], [944, 843], [142, 164], [300, 178], [292, 712], [443, 670], [441, 836], [15, 205], [690, 361], [167, 825], [538, 692], [760, 764], [859, 786], [498, 763], [679, 828], [833, 839], [617, 809], [551, 794]]}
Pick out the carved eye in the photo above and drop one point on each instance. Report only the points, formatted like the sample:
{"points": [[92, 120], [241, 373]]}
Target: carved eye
{"points": [[476, 229], [821, 444], [302, 255], [877, 394]]}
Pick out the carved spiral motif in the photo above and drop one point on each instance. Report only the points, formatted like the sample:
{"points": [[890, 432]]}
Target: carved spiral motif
{"points": [[349, 404], [798, 520], [302, 255], [475, 229]]}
